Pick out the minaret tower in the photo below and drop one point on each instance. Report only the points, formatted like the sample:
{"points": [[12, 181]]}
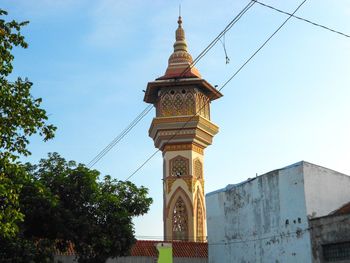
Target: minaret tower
{"points": [[182, 130]]}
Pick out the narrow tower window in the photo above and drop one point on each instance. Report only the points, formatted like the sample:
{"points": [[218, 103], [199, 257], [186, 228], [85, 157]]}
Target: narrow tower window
{"points": [[180, 220]]}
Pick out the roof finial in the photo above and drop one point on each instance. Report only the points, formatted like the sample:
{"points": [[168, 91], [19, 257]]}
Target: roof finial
{"points": [[179, 21], [179, 63], [180, 43]]}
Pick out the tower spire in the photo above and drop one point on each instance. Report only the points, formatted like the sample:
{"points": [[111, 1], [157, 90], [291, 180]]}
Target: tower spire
{"points": [[180, 43], [180, 61]]}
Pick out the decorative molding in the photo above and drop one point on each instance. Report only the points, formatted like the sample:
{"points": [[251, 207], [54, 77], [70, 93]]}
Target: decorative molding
{"points": [[197, 120], [174, 119], [183, 147]]}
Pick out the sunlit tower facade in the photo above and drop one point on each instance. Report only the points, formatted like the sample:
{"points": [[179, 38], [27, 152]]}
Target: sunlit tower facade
{"points": [[182, 129]]}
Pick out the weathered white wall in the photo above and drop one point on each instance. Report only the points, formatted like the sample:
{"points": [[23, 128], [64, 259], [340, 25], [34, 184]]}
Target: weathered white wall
{"points": [[261, 220], [325, 190]]}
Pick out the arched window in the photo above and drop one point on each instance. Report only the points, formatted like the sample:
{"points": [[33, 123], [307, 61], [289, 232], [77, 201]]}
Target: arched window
{"points": [[198, 169], [200, 232], [180, 220]]}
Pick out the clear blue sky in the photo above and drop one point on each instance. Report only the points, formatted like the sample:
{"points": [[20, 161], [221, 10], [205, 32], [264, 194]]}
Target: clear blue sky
{"points": [[90, 61]]}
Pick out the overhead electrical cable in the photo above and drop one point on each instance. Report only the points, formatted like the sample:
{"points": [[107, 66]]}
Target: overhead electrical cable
{"points": [[220, 35], [120, 136], [257, 51], [223, 86], [302, 19]]}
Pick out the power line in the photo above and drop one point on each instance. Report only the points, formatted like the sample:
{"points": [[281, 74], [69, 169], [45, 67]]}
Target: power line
{"points": [[302, 19], [202, 54], [257, 51], [220, 35], [223, 86], [120, 136]]}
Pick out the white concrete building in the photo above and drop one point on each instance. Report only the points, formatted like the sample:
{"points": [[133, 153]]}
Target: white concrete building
{"points": [[266, 219]]}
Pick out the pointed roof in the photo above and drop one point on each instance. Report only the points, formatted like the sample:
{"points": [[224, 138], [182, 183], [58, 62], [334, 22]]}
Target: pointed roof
{"points": [[180, 61]]}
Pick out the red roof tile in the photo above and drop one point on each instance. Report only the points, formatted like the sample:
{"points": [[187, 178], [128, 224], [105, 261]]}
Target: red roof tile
{"points": [[345, 209], [147, 248], [181, 249]]}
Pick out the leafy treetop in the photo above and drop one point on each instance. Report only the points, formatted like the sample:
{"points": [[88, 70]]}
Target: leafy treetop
{"points": [[20, 113]]}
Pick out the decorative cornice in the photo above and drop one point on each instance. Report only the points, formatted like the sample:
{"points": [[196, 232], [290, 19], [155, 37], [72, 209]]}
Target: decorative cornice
{"points": [[183, 147], [163, 126]]}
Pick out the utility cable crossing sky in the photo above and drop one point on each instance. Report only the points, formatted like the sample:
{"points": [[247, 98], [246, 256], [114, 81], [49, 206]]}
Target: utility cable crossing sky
{"points": [[120, 136], [236, 72]]}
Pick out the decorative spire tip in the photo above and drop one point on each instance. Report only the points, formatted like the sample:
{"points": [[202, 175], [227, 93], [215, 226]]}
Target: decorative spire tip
{"points": [[179, 21]]}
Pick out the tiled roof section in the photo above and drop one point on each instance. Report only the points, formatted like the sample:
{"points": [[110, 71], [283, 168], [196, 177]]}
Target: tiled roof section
{"points": [[181, 249], [147, 248], [345, 209], [70, 251]]}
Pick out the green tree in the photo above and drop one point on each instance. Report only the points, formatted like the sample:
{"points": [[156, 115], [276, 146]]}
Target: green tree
{"points": [[20, 113], [10, 215], [64, 202], [20, 117]]}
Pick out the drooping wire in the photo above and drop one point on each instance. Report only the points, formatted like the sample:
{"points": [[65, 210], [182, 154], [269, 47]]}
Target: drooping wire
{"points": [[223, 42], [219, 36], [302, 19], [120, 136], [222, 87], [257, 51], [202, 54]]}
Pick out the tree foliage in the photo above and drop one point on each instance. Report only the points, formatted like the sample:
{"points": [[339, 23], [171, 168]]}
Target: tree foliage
{"points": [[49, 206], [66, 203], [20, 113], [10, 215], [20, 117]]}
